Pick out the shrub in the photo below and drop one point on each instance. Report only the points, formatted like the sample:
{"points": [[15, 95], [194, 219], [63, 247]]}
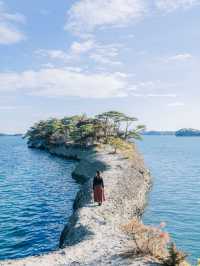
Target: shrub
{"points": [[148, 240], [153, 241], [175, 257]]}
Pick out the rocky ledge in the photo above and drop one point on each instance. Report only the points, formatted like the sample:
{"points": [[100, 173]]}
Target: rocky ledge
{"points": [[93, 235]]}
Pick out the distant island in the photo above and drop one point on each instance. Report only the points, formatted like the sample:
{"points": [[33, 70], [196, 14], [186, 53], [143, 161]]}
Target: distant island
{"points": [[158, 133], [188, 132], [10, 135], [183, 132]]}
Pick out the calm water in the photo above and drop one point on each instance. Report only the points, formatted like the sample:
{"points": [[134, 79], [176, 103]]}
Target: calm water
{"points": [[175, 198], [36, 197]]}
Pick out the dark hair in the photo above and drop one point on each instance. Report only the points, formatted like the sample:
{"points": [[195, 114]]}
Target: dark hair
{"points": [[98, 172]]}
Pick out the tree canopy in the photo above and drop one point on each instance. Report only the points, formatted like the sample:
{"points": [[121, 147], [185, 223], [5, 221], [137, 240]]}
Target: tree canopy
{"points": [[83, 130]]}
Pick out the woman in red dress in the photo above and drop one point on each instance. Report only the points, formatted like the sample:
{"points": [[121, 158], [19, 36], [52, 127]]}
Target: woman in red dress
{"points": [[98, 188]]}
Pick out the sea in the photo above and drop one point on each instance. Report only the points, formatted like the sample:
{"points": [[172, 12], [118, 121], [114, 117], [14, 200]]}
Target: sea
{"points": [[36, 199], [174, 163], [37, 194]]}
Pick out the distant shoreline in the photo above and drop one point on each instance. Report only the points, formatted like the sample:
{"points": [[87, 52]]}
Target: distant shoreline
{"points": [[184, 132], [158, 133], [11, 135]]}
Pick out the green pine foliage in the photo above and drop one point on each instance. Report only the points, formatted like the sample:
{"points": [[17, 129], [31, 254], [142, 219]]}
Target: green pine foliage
{"points": [[83, 130]]}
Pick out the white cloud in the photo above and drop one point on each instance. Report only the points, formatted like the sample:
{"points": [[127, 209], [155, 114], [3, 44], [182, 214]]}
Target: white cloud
{"points": [[76, 49], [54, 82], [7, 108], [179, 57], [9, 33], [106, 54], [48, 65], [152, 95], [176, 104], [171, 5], [97, 52], [19, 18], [170, 95], [148, 85], [53, 54], [101, 59], [152, 86], [87, 15], [82, 47], [182, 57], [10, 17]]}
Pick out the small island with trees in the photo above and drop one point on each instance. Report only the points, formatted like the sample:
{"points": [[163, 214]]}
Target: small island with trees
{"points": [[184, 132], [112, 127], [187, 132]]}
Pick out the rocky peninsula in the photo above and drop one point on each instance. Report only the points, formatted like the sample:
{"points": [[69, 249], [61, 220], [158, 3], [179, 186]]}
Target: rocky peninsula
{"points": [[93, 235]]}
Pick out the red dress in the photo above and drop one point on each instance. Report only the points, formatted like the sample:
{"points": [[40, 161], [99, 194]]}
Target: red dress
{"points": [[98, 189]]}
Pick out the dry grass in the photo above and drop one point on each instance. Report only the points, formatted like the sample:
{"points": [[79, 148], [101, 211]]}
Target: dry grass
{"points": [[154, 242], [124, 147], [148, 240]]}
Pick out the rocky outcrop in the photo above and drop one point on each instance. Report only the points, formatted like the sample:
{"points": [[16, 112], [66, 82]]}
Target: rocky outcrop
{"points": [[93, 235]]}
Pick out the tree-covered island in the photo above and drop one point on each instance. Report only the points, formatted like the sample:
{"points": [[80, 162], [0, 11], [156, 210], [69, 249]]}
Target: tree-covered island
{"points": [[111, 127], [188, 132]]}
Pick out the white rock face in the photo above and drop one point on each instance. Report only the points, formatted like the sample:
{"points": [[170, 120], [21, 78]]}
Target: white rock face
{"points": [[93, 235]]}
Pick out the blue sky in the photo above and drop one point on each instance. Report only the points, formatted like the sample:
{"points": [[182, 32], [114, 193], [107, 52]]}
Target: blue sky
{"points": [[140, 57]]}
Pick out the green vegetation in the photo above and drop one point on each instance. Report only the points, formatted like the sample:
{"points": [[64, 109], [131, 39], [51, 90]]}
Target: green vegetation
{"points": [[175, 257], [188, 132], [107, 128]]}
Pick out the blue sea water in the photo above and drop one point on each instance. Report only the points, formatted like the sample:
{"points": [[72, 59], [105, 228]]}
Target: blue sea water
{"points": [[175, 197], [36, 197], [37, 193]]}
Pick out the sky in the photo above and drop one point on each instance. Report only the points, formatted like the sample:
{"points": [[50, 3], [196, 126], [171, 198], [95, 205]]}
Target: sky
{"points": [[66, 57]]}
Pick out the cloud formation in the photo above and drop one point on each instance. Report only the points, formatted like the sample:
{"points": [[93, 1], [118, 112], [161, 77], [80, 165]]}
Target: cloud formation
{"points": [[82, 47], [171, 5], [87, 15], [97, 52], [55, 82], [178, 58], [9, 33], [176, 104]]}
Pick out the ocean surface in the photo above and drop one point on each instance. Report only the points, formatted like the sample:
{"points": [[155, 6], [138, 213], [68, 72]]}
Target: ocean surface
{"points": [[37, 193], [175, 197], [36, 197]]}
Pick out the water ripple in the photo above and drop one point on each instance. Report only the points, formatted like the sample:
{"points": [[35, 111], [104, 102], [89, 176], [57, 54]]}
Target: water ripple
{"points": [[36, 197], [175, 166]]}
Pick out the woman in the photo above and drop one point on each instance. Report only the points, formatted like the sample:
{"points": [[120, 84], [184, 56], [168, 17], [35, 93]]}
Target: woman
{"points": [[98, 188]]}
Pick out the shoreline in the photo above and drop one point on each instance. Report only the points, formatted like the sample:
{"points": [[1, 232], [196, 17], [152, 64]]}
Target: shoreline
{"points": [[92, 235]]}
